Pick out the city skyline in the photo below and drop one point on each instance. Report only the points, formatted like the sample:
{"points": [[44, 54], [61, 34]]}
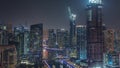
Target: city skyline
{"points": [[60, 34], [54, 14]]}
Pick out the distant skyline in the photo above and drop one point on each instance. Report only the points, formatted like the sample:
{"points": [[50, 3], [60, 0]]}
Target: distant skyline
{"points": [[53, 13]]}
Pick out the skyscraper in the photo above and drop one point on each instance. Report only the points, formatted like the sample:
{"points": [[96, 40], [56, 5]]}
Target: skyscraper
{"points": [[22, 37], [36, 36], [62, 38], [95, 39], [72, 18], [71, 49], [81, 42], [3, 35], [26, 41], [51, 43], [36, 39]]}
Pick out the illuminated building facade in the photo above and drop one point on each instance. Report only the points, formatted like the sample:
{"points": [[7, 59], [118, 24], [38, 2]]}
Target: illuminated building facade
{"points": [[5, 31], [36, 36], [19, 37], [72, 49], [109, 40], [62, 38], [7, 27], [36, 39], [8, 56], [95, 1], [3, 37], [3, 27], [95, 39], [22, 37], [3, 34], [111, 60], [81, 42], [26, 41], [51, 43]]}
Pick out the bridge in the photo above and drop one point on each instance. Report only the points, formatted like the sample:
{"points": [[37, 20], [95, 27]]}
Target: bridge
{"points": [[66, 63], [60, 62]]}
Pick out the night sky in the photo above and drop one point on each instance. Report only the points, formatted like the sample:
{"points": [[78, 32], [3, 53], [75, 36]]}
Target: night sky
{"points": [[53, 13]]}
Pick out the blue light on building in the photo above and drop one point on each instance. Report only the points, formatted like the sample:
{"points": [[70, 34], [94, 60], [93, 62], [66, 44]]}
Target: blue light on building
{"points": [[81, 42], [95, 1], [112, 60], [22, 37]]}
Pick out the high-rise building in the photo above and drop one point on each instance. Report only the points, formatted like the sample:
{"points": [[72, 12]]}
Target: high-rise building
{"points": [[95, 38], [8, 56], [51, 38], [19, 37], [51, 43], [36, 34], [3, 34], [109, 40], [62, 38], [26, 41], [81, 42], [72, 30], [7, 27], [58, 38], [3, 27], [36, 40], [71, 49], [22, 37]]}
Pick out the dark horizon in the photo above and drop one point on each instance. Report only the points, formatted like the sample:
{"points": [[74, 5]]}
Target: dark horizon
{"points": [[53, 13]]}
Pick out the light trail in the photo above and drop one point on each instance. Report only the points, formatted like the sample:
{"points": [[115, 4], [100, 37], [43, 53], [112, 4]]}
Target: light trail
{"points": [[66, 63], [48, 66]]}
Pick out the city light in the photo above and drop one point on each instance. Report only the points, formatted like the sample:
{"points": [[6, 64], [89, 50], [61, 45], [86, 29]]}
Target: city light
{"points": [[97, 67], [73, 16], [95, 1]]}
